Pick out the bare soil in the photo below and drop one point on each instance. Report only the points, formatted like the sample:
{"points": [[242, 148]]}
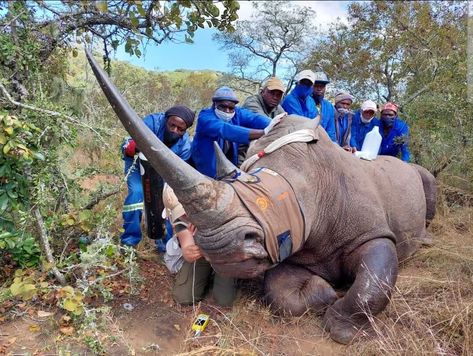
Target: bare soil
{"points": [[429, 313]]}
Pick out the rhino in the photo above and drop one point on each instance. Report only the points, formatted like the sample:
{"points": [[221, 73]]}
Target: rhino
{"points": [[361, 218]]}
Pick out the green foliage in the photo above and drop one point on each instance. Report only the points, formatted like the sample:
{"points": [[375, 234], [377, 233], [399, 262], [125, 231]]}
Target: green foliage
{"points": [[24, 250], [71, 300], [413, 53]]}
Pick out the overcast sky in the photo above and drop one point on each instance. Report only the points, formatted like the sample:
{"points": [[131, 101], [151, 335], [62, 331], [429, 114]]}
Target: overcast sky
{"points": [[205, 53]]}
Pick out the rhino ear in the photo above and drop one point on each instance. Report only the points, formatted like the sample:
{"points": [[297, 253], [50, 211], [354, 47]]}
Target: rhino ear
{"points": [[225, 168]]}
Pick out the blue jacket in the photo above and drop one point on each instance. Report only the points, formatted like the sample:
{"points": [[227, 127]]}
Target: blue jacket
{"points": [[293, 104], [157, 123], [327, 118], [210, 128], [345, 134], [396, 141], [359, 129]]}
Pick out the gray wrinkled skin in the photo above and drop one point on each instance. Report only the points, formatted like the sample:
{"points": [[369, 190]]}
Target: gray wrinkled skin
{"points": [[361, 218]]}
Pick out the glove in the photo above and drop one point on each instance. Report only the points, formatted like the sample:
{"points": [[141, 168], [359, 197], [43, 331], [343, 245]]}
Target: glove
{"points": [[130, 148], [277, 119]]}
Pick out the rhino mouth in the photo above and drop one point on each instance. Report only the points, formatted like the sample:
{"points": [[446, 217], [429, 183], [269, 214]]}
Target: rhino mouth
{"points": [[236, 249]]}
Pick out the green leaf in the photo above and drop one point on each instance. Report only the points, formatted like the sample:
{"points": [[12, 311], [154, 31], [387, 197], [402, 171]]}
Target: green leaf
{"points": [[102, 6], [70, 304]]}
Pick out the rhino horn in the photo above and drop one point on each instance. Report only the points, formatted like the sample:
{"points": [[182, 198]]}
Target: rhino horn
{"points": [[224, 167], [194, 190]]}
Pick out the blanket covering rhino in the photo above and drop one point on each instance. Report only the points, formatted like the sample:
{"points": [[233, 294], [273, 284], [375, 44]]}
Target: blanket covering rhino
{"points": [[361, 218]]}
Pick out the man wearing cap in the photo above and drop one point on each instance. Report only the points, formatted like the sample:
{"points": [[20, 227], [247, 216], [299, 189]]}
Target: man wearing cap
{"points": [[267, 102], [299, 101], [229, 126], [193, 271], [324, 107], [395, 133], [363, 122], [170, 127], [343, 121]]}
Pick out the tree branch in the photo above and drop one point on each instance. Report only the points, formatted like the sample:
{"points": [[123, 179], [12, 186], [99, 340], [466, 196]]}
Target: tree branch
{"points": [[51, 113]]}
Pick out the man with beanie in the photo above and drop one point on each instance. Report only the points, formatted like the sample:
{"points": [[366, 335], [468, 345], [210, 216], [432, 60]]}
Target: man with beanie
{"points": [[395, 133], [299, 101], [229, 126], [324, 107], [267, 102], [343, 121], [170, 127], [363, 122]]}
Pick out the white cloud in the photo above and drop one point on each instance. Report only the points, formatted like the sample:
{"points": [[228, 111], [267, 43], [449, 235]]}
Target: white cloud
{"points": [[326, 12]]}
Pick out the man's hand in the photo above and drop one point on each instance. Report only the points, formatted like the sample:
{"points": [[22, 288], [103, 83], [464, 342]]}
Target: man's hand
{"points": [[191, 253], [277, 119], [349, 149]]}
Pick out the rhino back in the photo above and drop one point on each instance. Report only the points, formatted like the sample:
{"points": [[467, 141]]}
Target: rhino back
{"points": [[345, 201]]}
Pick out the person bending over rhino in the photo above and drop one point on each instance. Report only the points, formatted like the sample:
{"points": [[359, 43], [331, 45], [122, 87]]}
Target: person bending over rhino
{"points": [[194, 274]]}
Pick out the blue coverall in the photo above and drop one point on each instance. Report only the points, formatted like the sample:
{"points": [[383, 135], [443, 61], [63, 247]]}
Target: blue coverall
{"points": [[133, 206], [359, 129], [396, 141], [210, 128], [343, 125], [294, 104], [327, 118]]}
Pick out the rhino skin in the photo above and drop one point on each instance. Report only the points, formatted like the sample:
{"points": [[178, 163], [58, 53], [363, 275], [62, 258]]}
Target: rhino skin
{"points": [[361, 219]]}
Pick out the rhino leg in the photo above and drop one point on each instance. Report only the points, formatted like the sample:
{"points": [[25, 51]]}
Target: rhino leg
{"points": [[292, 290], [374, 266]]}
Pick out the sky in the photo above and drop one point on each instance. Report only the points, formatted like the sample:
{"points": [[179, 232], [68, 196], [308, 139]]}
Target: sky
{"points": [[206, 54]]}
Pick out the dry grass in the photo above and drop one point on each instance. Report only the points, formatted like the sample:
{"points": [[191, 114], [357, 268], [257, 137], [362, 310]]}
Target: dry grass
{"points": [[431, 309]]}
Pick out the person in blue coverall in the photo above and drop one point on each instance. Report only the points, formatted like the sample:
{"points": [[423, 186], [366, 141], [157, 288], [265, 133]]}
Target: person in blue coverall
{"points": [[229, 126], [363, 122], [299, 101], [395, 133], [170, 127], [343, 121], [324, 107]]}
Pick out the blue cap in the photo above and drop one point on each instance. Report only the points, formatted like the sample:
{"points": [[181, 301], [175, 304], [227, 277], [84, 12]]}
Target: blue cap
{"points": [[224, 93]]}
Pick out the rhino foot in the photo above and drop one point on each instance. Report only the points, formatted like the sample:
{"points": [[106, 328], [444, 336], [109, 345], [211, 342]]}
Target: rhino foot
{"points": [[292, 290], [341, 328]]}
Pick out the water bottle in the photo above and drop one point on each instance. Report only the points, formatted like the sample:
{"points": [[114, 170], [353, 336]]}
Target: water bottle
{"points": [[372, 143]]}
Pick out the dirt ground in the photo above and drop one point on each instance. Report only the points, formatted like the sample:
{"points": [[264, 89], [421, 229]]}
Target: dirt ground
{"points": [[429, 313]]}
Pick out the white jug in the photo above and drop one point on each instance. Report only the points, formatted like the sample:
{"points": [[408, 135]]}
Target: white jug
{"points": [[371, 144]]}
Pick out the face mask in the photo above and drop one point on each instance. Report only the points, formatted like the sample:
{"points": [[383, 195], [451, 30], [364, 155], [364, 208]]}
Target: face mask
{"points": [[225, 116], [366, 121], [170, 137], [343, 111], [303, 91], [388, 122]]}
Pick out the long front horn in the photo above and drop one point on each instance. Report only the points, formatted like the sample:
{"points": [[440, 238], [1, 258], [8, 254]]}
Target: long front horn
{"points": [[177, 173], [203, 198]]}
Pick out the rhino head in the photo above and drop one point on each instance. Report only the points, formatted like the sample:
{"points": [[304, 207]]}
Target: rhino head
{"points": [[229, 236]]}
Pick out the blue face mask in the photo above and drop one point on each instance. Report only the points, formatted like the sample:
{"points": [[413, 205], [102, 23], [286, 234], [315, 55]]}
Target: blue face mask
{"points": [[303, 91], [388, 121]]}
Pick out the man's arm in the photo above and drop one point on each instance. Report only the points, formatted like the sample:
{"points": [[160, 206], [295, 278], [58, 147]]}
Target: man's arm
{"points": [[217, 128]]}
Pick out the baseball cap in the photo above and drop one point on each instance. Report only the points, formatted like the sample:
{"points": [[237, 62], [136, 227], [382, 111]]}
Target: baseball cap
{"points": [[369, 105], [390, 106], [274, 83], [321, 77], [305, 74], [173, 210]]}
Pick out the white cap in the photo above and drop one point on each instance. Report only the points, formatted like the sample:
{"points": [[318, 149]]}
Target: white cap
{"points": [[173, 210], [305, 74], [369, 105]]}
